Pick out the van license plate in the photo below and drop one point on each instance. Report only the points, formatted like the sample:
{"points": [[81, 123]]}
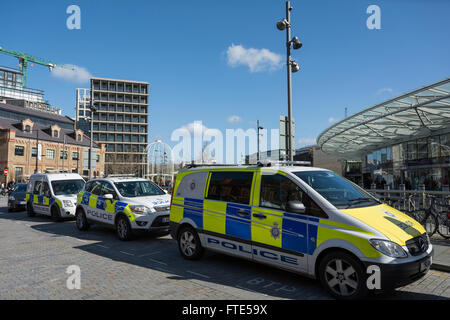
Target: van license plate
{"points": [[424, 265]]}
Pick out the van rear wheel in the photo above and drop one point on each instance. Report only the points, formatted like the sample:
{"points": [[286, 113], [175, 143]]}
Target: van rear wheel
{"points": [[343, 276], [30, 211], [189, 244]]}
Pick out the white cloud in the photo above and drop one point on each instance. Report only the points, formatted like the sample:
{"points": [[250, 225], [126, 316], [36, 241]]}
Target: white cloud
{"points": [[332, 120], [307, 141], [385, 90], [234, 119], [257, 60], [195, 127], [72, 73]]}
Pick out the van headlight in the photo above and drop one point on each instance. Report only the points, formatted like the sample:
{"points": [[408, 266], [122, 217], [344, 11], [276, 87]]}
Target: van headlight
{"points": [[139, 209], [388, 248], [67, 203]]}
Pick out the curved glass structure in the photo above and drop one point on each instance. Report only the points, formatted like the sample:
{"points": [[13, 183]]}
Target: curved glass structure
{"points": [[405, 140]]}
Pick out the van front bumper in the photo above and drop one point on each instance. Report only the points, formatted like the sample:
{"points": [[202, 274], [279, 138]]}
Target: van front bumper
{"points": [[399, 275]]}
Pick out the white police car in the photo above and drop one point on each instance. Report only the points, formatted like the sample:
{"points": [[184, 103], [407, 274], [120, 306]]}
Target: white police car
{"points": [[128, 204]]}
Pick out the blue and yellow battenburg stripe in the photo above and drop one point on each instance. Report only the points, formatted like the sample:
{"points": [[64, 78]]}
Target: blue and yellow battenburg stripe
{"points": [[293, 232], [110, 206], [42, 200], [296, 233]]}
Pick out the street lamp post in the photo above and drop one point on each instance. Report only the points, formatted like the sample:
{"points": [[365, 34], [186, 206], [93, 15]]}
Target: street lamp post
{"points": [[292, 66], [93, 109], [258, 127]]}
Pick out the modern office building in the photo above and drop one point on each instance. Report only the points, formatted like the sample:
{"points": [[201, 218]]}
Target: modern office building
{"points": [[404, 141], [121, 123], [83, 110], [13, 93]]}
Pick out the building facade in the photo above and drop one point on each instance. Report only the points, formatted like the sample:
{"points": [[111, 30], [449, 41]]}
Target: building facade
{"points": [[121, 123], [12, 92], [34, 141]]}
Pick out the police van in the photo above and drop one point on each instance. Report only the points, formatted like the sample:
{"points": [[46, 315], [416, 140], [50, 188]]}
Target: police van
{"points": [[127, 204], [302, 219], [53, 194]]}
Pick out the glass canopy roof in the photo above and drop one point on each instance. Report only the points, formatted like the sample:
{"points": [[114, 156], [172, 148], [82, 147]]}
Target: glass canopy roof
{"points": [[416, 114]]}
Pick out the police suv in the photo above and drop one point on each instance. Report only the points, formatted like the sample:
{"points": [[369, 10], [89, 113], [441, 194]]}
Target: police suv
{"points": [[302, 219], [127, 204], [53, 194]]}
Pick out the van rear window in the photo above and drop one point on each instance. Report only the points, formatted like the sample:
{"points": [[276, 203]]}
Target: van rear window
{"points": [[230, 186]]}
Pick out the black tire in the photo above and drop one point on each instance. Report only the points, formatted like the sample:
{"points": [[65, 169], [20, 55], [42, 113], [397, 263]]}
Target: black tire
{"points": [[343, 276], [55, 213], [123, 228], [30, 211], [81, 220], [189, 244]]}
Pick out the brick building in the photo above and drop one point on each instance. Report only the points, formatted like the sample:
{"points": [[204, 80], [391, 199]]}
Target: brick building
{"points": [[62, 147]]}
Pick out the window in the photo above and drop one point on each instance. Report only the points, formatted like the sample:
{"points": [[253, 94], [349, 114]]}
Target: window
{"points": [[108, 189], [63, 153], [50, 154], [19, 151], [79, 137], [74, 155], [27, 128], [230, 186], [18, 174], [37, 187], [134, 189], [34, 152], [340, 192], [277, 190], [45, 191], [55, 133], [63, 187]]}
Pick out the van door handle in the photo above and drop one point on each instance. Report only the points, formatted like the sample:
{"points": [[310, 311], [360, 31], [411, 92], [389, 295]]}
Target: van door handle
{"points": [[243, 213], [259, 215]]}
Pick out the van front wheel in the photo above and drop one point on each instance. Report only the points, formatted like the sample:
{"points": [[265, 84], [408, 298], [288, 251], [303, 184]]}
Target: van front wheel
{"points": [[189, 244], [343, 276]]}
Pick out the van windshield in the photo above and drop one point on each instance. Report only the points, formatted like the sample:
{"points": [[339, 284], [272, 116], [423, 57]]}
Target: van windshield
{"points": [[132, 189], [63, 187], [338, 191]]}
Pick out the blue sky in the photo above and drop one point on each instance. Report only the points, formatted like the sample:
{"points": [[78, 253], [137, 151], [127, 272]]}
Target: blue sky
{"points": [[180, 48]]}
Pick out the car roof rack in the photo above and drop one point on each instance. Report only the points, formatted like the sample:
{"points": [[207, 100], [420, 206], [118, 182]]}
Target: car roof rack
{"points": [[283, 163], [121, 176], [196, 165]]}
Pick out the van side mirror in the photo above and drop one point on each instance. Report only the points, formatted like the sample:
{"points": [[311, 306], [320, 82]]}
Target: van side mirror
{"points": [[295, 206]]}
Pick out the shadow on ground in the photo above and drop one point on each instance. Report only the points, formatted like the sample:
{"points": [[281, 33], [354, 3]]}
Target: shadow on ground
{"points": [[161, 253]]}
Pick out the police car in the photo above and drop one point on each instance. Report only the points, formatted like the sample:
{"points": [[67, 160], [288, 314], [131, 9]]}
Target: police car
{"points": [[128, 204], [302, 219], [53, 194]]}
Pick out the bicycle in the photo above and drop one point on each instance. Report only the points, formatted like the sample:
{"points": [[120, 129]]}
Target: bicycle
{"points": [[444, 223], [427, 216]]}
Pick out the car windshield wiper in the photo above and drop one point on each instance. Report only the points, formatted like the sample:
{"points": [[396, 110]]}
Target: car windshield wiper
{"points": [[358, 200]]}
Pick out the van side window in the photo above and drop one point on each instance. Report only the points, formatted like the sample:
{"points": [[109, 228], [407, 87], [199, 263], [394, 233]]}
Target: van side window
{"points": [[230, 186], [37, 187], [45, 189], [277, 190]]}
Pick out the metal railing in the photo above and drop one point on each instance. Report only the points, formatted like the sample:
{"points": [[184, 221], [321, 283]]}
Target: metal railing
{"points": [[410, 200]]}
